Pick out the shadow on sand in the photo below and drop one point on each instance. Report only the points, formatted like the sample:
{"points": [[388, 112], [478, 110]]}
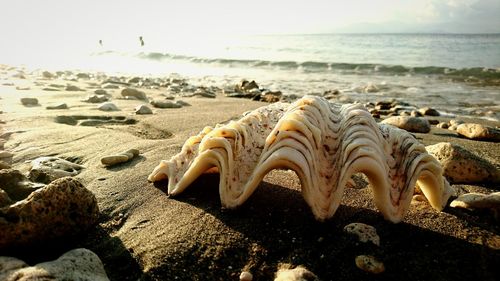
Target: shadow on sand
{"points": [[279, 227]]}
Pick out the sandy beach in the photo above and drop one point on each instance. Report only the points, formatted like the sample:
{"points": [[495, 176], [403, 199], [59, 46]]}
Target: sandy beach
{"points": [[143, 234]]}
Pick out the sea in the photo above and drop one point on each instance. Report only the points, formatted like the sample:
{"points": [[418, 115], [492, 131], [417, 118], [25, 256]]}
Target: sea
{"points": [[456, 73]]}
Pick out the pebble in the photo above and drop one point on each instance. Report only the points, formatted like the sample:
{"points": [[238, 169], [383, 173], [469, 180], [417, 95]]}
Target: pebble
{"points": [[77, 264], [428, 111], [73, 88], [369, 264], [364, 232], [119, 158], [129, 92], [409, 123], [164, 104], [101, 92], [29, 101], [58, 106], [143, 109], [246, 276], [182, 103], [442, 125], [96, 98], [478, 201], [463, 166], [478, 132], [65, 205], [68, 120], [47, 169], [299, 273], [108, 106]]}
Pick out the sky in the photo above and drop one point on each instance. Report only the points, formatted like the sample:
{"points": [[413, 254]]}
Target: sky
{"points": [[29, 25]]}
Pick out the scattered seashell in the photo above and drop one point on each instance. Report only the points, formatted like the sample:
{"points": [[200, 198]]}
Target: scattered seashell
{"points": [[324, 143], [369, 264], [364, 232]]}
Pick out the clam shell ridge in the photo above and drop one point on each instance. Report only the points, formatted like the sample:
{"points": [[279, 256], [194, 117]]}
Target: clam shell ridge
{"points": [[324, 143]]}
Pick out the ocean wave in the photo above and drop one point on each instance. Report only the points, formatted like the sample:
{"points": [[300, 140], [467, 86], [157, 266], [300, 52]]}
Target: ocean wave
{"points": [[347, 68]]}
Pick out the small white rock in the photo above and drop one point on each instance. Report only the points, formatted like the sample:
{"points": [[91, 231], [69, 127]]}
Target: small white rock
{"points": [[246, 276]]}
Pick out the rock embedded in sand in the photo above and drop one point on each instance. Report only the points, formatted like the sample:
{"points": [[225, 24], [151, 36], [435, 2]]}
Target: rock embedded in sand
{"points": [[369, 264], [29, 101], [364, 232], [16, 185], [143, 109], [409, 123], [47, 75], [57, 106], [300, 273], [478, 132], [130, 92], [463, 166], [47, 169], [119, 158], [478, 201], [62, 208], [101, 92], [72, 88], [108, 106], [165, 104], [96, 98], [78, 264], [182, 103], [68, 120]]}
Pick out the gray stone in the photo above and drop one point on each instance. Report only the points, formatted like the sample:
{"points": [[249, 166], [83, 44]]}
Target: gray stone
{"points": [[478, 201], [463, 166], [72, 88], [65, 205], [68, 120], [428, 111], [96, 98], [143, 109], [409, 123], [129, 92], [47, 169], [29, 101], [57, 106], [108, 106], [479, 132], [165, 104], [101, 92], [182, 103], [78, 264]]}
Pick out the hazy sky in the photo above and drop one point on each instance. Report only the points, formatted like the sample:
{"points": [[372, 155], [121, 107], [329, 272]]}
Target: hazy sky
{"points": [[66, 21]]}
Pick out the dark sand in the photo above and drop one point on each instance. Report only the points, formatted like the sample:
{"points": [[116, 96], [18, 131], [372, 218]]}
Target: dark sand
{"points": [[143, 234]]}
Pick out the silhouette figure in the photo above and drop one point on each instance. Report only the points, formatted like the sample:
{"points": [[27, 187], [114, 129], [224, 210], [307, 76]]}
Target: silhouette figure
{"points": [[100, 42], [142, 41]]}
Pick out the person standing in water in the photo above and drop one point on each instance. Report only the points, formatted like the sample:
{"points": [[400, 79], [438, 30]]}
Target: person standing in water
{"points": [[100, 42], [142, 41]]}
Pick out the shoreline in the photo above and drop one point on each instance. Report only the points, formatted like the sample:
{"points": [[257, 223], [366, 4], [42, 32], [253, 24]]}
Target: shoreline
{"points": [[143, 234]]}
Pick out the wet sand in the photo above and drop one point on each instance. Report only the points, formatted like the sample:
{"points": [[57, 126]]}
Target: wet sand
{"points": [[143, 234]]}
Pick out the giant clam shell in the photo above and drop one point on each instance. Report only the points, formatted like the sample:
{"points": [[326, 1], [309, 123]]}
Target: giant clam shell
{"points": [[324, 143]]}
